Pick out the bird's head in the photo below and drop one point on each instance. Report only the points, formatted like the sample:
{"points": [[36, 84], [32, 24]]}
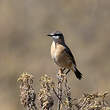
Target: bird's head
{"points": [[57, 36]]}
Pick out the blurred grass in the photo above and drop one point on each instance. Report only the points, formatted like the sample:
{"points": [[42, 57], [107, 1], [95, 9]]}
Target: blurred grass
{"points": [[25, 47]]}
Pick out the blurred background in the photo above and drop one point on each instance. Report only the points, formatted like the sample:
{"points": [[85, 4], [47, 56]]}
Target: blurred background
{"points": [[24, 46]]}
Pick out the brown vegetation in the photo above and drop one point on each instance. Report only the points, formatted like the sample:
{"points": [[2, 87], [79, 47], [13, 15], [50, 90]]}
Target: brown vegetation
{"points": [[62, 91]]}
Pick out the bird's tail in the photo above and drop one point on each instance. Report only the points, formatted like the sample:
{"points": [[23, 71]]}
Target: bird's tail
{"points": [[77, 73]]}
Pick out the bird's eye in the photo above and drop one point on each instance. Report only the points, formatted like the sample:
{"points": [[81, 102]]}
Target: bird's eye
{"points": [[57, 37]]}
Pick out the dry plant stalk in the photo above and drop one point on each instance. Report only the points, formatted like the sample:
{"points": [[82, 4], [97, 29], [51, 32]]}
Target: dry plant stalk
{"points": [[60, 81], [64, 92], [68, 101], [92, 102], [45, 93], [27, 93]]}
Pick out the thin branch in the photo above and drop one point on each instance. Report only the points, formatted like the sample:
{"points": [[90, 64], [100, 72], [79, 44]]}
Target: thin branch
{"points": [[57, 95]]}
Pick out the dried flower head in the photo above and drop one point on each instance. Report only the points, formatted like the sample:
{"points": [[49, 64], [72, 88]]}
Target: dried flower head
{"points": [[27, 93], [92, 102], [44, 95]]}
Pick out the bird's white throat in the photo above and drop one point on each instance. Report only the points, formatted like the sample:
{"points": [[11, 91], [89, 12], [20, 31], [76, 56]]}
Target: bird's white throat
{"points": [[54, 44]]}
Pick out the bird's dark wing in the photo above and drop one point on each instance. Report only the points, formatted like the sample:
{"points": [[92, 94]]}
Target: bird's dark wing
{"points": [[68, 51]]}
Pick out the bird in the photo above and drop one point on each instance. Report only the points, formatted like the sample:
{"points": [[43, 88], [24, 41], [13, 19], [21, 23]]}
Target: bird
{"points": [[62, 55]]}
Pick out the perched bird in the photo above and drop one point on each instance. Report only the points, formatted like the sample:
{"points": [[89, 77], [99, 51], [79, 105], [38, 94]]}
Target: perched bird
{"points": [[62, 55]]}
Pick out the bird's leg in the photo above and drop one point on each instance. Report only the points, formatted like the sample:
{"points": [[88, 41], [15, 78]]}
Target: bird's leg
{"points": [[63, 69], [67, 71]]}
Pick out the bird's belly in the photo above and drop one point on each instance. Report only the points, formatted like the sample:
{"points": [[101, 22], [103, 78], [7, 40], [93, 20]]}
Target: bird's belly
{"points": [[62, 60]]}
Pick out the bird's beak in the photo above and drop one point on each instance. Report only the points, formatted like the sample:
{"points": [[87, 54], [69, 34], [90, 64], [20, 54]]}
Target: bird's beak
{"points": [[50, 35]]}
